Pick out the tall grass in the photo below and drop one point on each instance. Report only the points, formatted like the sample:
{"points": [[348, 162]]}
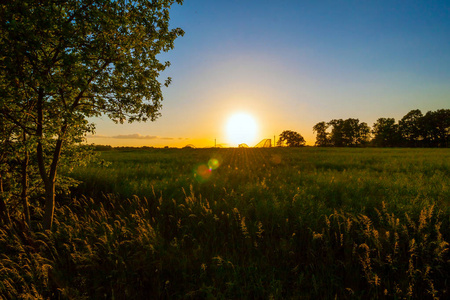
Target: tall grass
{"points": [[354, 179], [268, 223]]}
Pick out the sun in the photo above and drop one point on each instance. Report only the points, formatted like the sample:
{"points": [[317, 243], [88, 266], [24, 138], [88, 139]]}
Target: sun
{"points": [[241, 128]]}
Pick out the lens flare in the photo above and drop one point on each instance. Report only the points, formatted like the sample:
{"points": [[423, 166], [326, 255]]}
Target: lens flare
{"points": [[202, 173], [213, 164]]}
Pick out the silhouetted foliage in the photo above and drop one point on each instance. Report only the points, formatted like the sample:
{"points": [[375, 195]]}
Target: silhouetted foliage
{"points": [[349, 132], [291, 139], [410, 128], [323, 137], [429, 130], [436, 128], [413, 130], [386, 133]]}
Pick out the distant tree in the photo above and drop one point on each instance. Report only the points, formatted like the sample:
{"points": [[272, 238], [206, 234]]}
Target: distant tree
{"points": [[436, 128], [337, 137], [363, 134], [349, 132], [411, 128], [65, 61], [322, 137], [291, 139], [386, 133], [355, 133]]}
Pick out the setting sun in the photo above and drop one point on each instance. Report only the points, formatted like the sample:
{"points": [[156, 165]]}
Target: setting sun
{"points": [[241, 128]]}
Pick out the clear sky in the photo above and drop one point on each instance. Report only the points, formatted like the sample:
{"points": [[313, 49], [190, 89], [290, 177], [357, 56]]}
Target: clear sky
{"points": [[290, 64]]}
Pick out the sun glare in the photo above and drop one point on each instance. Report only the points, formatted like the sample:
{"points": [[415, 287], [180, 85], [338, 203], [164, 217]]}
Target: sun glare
{"points": [[241, 128]]}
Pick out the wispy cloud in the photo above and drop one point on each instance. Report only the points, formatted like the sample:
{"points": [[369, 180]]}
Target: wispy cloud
{"points": [[134, 136]]}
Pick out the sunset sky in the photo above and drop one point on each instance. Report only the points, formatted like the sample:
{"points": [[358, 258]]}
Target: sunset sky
{"points": [[290, 64]]}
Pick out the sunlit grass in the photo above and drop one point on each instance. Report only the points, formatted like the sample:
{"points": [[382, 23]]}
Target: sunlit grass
{"points": [[350, 178], [268, 223]]}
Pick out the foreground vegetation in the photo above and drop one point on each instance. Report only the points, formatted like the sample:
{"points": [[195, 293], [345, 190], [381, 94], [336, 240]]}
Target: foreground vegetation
{"points": [[253, 223]]}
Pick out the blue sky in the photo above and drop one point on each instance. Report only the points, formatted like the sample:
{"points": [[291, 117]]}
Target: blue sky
{"points": [[291, 64]]}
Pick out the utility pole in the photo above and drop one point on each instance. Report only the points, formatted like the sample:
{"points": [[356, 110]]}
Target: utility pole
{"points": [[215, 144]]}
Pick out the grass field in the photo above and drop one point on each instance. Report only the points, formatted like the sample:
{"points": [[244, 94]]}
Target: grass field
{"points": [[355, 180], [248, 223]]}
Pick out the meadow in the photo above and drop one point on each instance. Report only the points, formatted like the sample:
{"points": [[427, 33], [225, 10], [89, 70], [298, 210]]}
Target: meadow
{"points": [[244, 223]]}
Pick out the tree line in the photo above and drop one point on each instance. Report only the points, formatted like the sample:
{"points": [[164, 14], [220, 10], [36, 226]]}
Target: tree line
{"points": [[413, 130]]}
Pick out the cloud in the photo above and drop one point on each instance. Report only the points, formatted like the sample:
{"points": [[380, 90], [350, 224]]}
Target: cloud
{"points": [[134, 136], [97, 136]]}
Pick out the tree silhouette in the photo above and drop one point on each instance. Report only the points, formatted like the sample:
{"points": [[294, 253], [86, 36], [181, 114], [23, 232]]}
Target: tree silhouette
{"points": [[322, 137], [386, 133], [337, 137], [291, 139], [411, 128], [349, 132], [436, 128]]}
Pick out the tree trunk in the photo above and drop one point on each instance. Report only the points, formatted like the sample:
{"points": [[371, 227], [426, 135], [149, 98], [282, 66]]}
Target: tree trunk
{"points": [[24, 194], [49, 178], [49, 183], [4, 212], [4, 215], [49, 204]]}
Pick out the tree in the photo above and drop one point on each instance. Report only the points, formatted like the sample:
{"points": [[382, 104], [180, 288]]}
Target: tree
{"points": [[337, 137], [410, 127], [386, 133], [436, 128], [64, 61], [291, 139], [363, 134], [15, 158], [355, 133], [322, 137], [349, 132]]}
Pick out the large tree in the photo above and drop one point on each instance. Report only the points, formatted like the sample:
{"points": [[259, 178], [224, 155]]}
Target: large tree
{"points": [[63, 61], [291, 139], [322, 137], [436, 128], [337, 136], [349, 132], [386, 133], [411, 128]]}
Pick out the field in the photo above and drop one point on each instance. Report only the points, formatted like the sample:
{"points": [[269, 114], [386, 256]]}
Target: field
{"points": [[279, 223]]}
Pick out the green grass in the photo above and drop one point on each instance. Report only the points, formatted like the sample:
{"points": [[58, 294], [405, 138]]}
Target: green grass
{"points": [[268, 223], [350, 179]]}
